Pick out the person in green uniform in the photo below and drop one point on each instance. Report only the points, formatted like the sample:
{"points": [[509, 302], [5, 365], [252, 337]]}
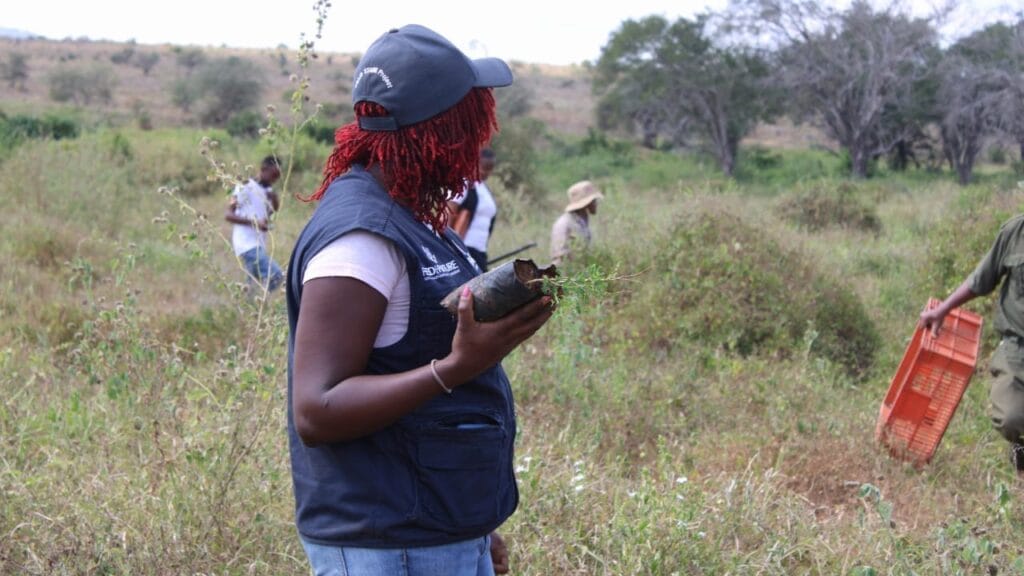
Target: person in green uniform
{"points": [[1004, 264]]}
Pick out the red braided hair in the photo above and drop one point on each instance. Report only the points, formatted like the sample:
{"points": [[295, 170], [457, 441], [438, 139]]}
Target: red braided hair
{"points": [[424, 164]]}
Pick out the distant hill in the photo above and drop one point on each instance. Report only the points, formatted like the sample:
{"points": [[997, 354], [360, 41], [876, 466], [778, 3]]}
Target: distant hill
{"points": [[560, 95], [17, 34]]}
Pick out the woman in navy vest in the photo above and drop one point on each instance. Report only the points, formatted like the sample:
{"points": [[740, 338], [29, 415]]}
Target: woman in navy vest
{"points": [[400, 417]]}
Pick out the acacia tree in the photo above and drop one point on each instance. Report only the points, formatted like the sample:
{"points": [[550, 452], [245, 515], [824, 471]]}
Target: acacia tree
{"points": [[633, 91], [667, 78], [847, 69], [967, 99], [1009, 62], [979, 75]]}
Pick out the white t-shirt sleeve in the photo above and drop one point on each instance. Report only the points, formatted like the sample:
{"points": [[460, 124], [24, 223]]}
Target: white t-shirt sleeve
{"points": [[367, 257], [377, 262]]}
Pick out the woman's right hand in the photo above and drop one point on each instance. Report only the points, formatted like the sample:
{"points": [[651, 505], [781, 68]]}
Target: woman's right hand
{"points": [[479, 345]]}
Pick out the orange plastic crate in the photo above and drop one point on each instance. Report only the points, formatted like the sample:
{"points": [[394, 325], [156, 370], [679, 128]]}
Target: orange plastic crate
{"points": [[928, 386]]}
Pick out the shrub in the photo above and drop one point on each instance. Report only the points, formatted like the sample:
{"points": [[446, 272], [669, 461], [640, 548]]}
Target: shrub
{"points": [[245, 124], [189, 58], [15, 129], [957, 244], [517, 159], [183, 94], [227, 86], [82, 85], [1018, 167], [320, 132], [997, 154], [823, 206], [762, 158], [514, 101], [142, 117], [15, 70], [123, 56], [146, 61], [721, 280]]}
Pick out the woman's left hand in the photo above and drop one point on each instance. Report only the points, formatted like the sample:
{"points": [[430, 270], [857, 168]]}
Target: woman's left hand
{"points": [[499, 554]]}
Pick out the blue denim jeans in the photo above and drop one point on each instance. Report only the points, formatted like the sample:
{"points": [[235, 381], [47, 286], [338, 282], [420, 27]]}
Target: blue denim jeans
{"points": [[261, 270], [467, 558]]}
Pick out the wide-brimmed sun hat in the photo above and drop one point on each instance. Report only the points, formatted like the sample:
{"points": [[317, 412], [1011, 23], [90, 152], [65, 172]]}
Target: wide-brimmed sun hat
{"points": [[416, 74], [581, 194]]}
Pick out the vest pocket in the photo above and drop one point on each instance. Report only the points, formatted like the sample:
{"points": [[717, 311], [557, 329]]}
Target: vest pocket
{"points": [[460, 460]]}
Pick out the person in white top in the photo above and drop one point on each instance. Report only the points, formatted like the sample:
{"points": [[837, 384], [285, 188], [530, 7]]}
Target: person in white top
{"points": [[472, 215], [249, 211]]}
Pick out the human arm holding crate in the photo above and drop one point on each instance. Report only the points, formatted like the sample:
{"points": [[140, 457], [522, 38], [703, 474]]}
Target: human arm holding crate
{"points": [[932, 319]]}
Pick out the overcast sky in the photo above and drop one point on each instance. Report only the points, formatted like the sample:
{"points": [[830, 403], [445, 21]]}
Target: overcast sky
{"points": [[534, 31]]}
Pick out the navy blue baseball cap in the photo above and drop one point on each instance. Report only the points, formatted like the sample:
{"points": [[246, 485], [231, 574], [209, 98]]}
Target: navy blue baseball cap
{"points": [[416, 74]]}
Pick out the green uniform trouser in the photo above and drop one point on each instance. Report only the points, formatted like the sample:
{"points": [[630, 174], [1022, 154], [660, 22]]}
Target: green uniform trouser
{"points": [[1007, 392]]}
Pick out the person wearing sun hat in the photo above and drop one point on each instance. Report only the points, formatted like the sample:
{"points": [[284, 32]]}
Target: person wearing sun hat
{"points": [[572, 229], [401, 421]]}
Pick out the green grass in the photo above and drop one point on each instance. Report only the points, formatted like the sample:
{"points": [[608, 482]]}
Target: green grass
{"points": [[142, 411]]}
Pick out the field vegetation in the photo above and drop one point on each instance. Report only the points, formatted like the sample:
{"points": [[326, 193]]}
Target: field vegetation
{"points": [[703, 403], [708, 410]]}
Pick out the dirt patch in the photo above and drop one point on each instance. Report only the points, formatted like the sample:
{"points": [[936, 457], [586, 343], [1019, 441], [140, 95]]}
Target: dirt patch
{"points": [[828, 475], [830, 472]]}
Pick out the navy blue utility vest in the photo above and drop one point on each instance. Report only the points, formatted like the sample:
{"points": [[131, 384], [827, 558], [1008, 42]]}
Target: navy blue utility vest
{"points": [[442, 473]]}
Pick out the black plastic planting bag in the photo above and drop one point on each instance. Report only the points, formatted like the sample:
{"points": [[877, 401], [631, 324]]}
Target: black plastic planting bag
{"points": [[502, 290]]}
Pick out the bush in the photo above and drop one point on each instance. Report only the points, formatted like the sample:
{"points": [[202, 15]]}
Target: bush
{"points": [[1018, 167], [183, 94], [517, 159], [720, 280], [16, 129], [15, 70], [514, 101], [997, 155], [189, 58], [957, 244], [123, 56], [245, 124], [320, 132], [227, 86], [762, 158], [146, 61], [824, 206], [82, 85]]}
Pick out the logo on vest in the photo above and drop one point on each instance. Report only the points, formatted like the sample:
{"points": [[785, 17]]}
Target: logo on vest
{"points": [[438, 270], [430, 255]]}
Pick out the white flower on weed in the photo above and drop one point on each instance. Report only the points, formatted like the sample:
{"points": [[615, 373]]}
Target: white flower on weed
{"points": [[578, 478], [631, 494], [701, 535], [527, 459], [679, 497], [682, 480], [578, 488], [520, 469]]}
